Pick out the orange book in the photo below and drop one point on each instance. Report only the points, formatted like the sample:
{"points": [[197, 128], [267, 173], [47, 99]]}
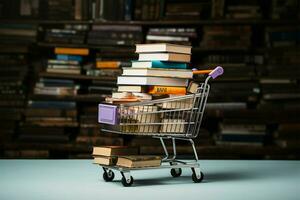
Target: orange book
{"points": [[166, 90], [108, 64], [72, 51]]}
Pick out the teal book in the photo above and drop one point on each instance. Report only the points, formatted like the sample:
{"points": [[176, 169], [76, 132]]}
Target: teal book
{"points": [[159, 64]]}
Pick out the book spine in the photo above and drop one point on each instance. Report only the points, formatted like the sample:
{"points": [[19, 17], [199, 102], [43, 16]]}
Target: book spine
{"points": [[69, 57], [107, 64], [167, 90], [128, 10], [169, 65]]}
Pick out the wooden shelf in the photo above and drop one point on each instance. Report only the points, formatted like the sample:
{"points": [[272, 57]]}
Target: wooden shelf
{"points": [[77, 98], [161, 22], [53, 45], [75, 76]]}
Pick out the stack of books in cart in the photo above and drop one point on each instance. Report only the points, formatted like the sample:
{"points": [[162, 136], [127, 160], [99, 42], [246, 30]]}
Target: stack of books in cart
{"points": [[161, 71]]}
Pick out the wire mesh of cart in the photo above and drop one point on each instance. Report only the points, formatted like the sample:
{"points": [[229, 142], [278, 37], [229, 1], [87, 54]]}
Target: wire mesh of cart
{"points": [[174, 118]]}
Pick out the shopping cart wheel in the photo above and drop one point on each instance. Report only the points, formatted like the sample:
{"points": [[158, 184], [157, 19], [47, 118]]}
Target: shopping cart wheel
{"points": [[108, 175], [197, 179], [176, 172], [127, 183]]}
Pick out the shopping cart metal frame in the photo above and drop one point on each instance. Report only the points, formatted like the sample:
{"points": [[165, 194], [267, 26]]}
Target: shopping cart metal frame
{"points": [[125, 115]]}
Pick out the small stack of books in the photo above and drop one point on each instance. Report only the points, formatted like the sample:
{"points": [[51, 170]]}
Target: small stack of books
{"points": [[114, 35], [67, 60], [183, 36], [222, 37], [161, 69], [62, 87], [124, 156], [70, 34]]}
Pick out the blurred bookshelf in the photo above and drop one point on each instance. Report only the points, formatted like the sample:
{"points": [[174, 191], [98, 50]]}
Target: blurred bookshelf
{"points": [[252, 111]]}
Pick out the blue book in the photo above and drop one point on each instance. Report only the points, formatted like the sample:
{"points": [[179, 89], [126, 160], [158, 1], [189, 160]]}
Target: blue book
{"points": [[68, 57], [128, 10], [56, 82], [159, 64]]}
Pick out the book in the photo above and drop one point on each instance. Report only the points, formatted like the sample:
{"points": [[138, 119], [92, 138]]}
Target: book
{"points": [[193, 87], [142, 96], [105, 160], [166, 90], [63, 71], [158, 64], [173, 126], [108, 64], [69, 57], [174, 57], [131, 88], [114, 151], [128, 80], [139, 161], [71, 51], [176, 73], [163, 47]]}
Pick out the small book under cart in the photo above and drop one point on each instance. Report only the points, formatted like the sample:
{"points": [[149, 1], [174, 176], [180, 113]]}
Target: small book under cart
{"points": [[173, 118]]}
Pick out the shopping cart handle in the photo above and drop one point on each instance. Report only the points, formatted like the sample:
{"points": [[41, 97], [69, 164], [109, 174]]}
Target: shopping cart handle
{"points": [[216, 72]]}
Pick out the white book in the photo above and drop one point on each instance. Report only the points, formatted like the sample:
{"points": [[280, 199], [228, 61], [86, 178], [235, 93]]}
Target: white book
{"points": [[140, 80], [166, 38], [163, 47], [174, 57], [176, 73], [131, 88], [63, 71], [120, 95]]}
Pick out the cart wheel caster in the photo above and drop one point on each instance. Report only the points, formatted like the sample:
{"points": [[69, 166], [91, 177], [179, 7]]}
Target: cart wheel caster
{"points": [[108, 176], [127, 183], [197, 179], [176, 172]]}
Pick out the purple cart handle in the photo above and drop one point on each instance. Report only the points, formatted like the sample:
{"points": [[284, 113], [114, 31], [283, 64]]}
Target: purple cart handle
{"points": [[216, 72]]}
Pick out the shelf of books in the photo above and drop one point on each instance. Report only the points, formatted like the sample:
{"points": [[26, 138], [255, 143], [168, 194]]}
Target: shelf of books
{"points": [[61, 58]]}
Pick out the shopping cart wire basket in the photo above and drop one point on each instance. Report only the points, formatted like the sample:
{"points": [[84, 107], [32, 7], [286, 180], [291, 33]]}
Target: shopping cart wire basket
{"points": [[174, 118]]}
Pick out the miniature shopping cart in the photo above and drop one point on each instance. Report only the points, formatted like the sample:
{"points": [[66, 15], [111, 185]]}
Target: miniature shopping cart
{"points": [[174, 118]]}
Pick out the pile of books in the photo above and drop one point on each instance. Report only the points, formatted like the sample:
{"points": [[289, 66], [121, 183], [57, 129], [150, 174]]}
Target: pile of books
{"points": [[68, 60], [219, 37], [184, 36], [115, 35], [288, 9], [239, 133], [13, 73], [70, 34], [18, 33], [49, 121], [160, 70], [124, 156], [187, 10], [282, 36], [61, 87], [247, 10]]}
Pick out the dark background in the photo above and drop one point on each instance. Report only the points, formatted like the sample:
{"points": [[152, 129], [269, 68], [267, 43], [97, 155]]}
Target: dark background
{"points": [[252, 110]]}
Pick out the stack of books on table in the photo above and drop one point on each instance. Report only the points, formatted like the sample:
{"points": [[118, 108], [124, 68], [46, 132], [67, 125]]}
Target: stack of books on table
{"points": [[161, 69], [123, 156]]}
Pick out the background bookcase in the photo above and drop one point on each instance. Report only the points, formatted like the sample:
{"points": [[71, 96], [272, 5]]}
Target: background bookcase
{"points": [[257, 43]]}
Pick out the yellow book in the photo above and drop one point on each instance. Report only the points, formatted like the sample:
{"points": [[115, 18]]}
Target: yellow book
{"points": [[72, 51], [166, 90], [108, 64]]}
